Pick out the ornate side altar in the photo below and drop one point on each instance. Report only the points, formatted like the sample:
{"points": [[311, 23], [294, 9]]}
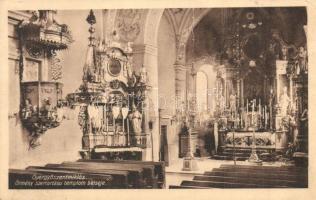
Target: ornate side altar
{"points": [[112, 102]]}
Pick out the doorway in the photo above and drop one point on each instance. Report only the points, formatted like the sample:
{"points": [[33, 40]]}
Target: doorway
{"points": [[164, 153]]}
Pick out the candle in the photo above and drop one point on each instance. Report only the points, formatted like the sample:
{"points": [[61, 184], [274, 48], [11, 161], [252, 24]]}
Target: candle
{"points": [[265, 116], [259, 106], [253, 110], [254, 103]]}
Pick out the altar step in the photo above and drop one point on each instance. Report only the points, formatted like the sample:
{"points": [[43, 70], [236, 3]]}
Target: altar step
{"points": [[227, 154], [224, 157], [240, 176], [241, 154]]}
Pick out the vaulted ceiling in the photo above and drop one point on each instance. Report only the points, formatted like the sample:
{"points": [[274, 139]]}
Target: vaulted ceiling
{"points": [[210, 33]]}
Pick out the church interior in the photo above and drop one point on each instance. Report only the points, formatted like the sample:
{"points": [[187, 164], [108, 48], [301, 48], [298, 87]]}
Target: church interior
{"points": [[159, 98]]}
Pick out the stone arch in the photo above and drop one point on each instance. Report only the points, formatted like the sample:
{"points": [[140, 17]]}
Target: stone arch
{"points": [[208, 64], [151, 26], [145, 54], [188, 24]]}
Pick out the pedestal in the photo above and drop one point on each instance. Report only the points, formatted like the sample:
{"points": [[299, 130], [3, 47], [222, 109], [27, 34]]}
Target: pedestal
{"points": [[189, 164], [216, 137], [281, 140], [254, 159], [184, 144]]}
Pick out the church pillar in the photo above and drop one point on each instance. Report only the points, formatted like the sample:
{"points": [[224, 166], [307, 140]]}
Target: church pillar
{"points": [[146, 55], [180, 84]]}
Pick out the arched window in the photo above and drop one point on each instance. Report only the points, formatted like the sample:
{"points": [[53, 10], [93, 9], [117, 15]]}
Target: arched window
{"points": [[201, 91]]}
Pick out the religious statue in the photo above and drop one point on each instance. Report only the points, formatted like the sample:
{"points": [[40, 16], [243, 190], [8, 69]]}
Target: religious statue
{"points": [[129, 67], [47, 109], [27, 110], [60, 113], [185, 128], [284, 53], [302, 57], [143, 75], [221, 101], [129, 48], [284, 102], [232, 102], [304, 122], [136, 120]]}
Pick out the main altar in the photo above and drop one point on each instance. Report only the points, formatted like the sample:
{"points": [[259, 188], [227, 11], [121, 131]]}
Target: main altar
{"points": [[260, 88]]}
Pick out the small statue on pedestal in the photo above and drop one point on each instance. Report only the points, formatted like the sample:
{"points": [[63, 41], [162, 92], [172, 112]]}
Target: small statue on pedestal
{"points": [[284, 53], [143, 75], [27, 109], [232, 102], [221, 101], [302, 60], [136, 120]]}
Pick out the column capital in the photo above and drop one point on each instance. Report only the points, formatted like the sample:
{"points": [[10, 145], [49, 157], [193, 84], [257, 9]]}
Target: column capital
{"points": [[179, 67], [145, 48]]}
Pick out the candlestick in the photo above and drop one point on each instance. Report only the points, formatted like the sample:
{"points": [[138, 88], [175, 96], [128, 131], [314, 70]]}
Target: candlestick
{"points": [[254, 103], [253, 111], [263, 117]]}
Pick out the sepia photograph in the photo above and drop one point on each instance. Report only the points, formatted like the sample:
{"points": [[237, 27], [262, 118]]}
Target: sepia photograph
{"points": [[158, 98]]}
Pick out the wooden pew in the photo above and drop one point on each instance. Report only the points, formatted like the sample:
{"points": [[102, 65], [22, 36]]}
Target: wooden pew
{"points": [[113, 180], [281, 169], [248, 180], [240, 176], [186, 187], [149, 180], [159, 168], [299, 175], [216, 184], [137, 174]]}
